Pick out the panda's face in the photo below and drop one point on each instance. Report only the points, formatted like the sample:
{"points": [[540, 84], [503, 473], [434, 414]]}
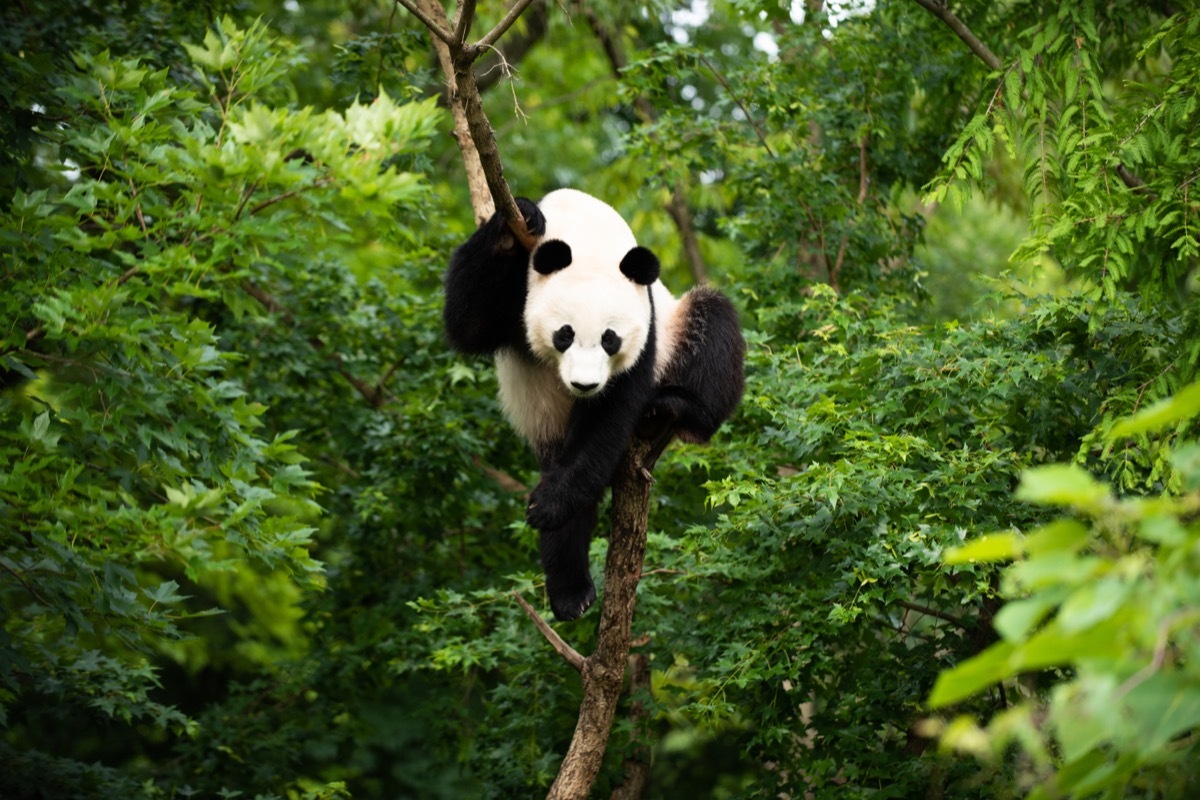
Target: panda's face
{"points": [[588, 310], [590, 329]]}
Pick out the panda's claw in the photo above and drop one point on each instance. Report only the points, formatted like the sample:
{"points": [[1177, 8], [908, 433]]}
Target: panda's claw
{"points": [[570, 604]]}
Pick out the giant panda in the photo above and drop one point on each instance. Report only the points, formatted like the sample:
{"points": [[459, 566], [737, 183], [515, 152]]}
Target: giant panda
{"points": [[587, 342]]}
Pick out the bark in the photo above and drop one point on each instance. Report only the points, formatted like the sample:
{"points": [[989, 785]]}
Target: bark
{"points": [[473, 132], [481, 197], [603, 671]]}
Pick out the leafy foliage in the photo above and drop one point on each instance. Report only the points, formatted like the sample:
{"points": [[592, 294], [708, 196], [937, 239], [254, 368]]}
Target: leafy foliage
{"points": [[135, 456], [259, 530], [1108, 596]]}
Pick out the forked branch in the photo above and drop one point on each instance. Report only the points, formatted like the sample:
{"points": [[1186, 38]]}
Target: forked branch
{"points": [[476, 140]]}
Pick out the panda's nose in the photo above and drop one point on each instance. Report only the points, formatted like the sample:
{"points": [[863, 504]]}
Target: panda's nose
{"points": [[584, 387]]}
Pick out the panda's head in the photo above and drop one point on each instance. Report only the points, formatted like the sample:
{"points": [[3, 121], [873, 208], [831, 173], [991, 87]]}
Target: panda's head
{"points": [[588, 309]]}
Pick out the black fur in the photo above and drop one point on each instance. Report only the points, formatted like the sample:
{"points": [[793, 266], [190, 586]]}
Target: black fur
{"points": [[485, 303], [574, 476], [551, 256], [485, 286], [703, 385], [640, 266]]}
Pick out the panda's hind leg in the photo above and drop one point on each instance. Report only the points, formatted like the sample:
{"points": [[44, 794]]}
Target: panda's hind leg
{"points": [[565, 561], [704, 382]]}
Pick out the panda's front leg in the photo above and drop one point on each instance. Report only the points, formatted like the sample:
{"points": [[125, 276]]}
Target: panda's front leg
{"points": [[564, 552], [563, 505]]}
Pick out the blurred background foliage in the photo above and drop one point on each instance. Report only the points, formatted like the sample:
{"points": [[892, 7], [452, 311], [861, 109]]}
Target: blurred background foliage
{"points": [[260, 529]]}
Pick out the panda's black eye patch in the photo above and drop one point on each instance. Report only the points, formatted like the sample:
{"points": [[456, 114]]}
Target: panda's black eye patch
{"points": [[611, 342], [563, 337]]}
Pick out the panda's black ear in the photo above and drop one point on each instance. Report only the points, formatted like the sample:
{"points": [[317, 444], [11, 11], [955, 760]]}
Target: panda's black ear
{"points": [[551, 256], [640, 266]]}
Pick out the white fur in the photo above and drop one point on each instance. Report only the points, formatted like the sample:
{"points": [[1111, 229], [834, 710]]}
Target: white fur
{"points": [[533, 398]]}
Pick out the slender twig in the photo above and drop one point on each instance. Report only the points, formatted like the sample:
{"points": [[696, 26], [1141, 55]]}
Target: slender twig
{"points": [[502, 26], [246, 195], [434, 28], [721, 79], [933, 612], [137, 208], [22, 581], [462, 23], [569, 654], [279, 198], [943, 12], [383, 50]]}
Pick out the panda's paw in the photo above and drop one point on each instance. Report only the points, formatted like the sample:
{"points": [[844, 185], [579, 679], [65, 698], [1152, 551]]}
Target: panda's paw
{"points": [[569, 603], [548, 508], [535, 221]]}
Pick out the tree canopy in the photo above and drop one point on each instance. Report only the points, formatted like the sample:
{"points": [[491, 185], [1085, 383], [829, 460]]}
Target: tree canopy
{"points": [[260, 530]]}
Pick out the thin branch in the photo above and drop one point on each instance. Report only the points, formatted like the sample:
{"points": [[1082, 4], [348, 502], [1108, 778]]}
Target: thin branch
{"points": [[569, 654], [933, 612], [502, 26], [279, 198], [1129, 179], [506, 482], [515, 46], [943, 12], [246, 195], [22, 581], [383, 50], [462, 22], [721, 78], [434, 28]]}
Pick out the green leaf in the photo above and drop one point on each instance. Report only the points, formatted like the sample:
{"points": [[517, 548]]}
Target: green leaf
{"points": [[1018, 617], [985, 669], [1062, 485], [1183, 405], [993, 547]]}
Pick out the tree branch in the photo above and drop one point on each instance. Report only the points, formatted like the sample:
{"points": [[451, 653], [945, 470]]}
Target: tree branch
{"points": [[502, 26], [933, 612], [943, 12], [602, 672], [462, 23], [476, 140], [569, 654], [721, 79], [604, 669], [515, 46], [434, 27]]}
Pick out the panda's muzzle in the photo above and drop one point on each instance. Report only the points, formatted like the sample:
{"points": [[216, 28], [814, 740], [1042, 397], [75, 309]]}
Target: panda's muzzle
{"points": [[583, 388]]}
